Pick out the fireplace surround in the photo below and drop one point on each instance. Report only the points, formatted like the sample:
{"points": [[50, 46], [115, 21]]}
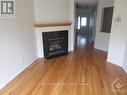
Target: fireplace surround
{"points": [[55, 43], [39, 37]]}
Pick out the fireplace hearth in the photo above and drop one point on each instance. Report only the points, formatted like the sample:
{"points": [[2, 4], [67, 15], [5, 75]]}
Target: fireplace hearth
{"points": [[55, 43]]}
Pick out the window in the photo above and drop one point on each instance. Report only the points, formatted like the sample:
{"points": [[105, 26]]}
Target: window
{"points": [[83, 21], [79, 21], [107, 15]]}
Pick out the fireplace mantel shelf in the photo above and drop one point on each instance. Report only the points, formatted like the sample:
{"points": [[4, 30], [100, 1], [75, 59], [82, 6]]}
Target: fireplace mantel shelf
{"points": [[52, 25]]}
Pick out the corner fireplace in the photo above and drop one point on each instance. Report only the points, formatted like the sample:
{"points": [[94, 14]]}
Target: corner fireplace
{"points": [[55, 43]]}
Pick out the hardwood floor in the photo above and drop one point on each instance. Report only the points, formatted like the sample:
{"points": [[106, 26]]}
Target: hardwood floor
{"points": [[83, 72]]}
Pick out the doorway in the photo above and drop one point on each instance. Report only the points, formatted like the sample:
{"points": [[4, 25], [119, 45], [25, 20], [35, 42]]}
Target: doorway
{"points": [[83, 26]]}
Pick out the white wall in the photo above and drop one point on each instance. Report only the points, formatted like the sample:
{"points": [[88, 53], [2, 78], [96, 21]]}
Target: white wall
{"points": [[125, 60], [72, 20], [118, 38], [17, 42], [102, 39], [51, 11]]}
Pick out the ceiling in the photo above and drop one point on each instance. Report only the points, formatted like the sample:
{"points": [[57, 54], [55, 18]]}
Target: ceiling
{"points": [[85, 2]]}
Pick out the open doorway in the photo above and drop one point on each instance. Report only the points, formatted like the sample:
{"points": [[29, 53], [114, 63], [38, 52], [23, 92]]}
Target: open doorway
{"points": [[85, 17]]}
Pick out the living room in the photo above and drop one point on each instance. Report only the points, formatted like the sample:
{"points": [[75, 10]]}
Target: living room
{"points": [[30, 67]]}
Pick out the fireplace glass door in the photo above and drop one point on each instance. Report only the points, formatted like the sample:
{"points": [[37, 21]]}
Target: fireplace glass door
{"points": [[55, 43]]}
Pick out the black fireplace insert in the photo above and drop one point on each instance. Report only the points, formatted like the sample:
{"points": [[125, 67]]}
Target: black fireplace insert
{"points": [[55, 43]]}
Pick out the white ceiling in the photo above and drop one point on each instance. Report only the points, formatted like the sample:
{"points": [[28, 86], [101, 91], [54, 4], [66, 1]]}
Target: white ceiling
{"points": [[85, 2]]}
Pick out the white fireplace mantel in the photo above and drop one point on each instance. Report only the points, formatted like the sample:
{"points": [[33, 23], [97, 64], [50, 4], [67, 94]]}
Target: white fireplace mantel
{"points": [[39, 38]]}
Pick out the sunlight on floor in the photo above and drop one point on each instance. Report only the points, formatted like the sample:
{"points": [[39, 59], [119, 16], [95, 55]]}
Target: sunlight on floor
{"points": [[81, 41]]}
